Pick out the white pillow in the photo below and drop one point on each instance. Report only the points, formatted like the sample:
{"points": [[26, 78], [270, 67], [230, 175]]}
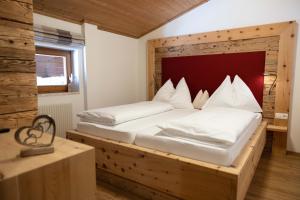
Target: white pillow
{"points": [[203, 99], [182, 97], [197, 99], [222, 97], [165, 92], [244, 98]]}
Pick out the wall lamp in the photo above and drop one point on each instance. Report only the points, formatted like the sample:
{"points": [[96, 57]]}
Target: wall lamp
{"points": [[274, 82]]}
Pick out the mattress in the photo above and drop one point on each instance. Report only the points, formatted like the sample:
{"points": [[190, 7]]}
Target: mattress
{"points": [[126, 132], [203, 151]]}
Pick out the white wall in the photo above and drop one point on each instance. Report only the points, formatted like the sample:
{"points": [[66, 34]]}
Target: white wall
{"points": [[111, 68], [226, 14]]}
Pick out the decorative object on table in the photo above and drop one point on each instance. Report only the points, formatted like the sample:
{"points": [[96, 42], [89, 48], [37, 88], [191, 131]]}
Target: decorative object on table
{"points": [[31, 136]]}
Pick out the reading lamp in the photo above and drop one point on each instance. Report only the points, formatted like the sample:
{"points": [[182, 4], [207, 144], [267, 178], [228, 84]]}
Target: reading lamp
{"points": [[274, 82]]}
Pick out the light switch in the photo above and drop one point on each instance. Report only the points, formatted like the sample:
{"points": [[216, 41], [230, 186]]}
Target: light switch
{"points": [[281, 115]]}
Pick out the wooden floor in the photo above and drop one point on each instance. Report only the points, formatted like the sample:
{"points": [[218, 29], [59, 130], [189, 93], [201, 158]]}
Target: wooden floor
{"points": [[276, 178]]}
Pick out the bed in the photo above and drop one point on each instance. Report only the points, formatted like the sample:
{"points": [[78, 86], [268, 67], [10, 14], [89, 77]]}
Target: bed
{"points": [[155, 174], [161, 151], [173, 168]]}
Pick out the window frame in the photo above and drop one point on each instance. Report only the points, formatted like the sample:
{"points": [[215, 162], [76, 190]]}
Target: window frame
{"points": [[56, 52]]}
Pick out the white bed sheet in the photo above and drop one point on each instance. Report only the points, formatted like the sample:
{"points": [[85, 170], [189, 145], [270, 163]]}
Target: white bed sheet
{"points": [[204, 151], [111, 116], [126, 132]]}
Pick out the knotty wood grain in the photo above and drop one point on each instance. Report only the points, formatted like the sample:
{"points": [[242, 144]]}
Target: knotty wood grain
{"points": [[273, 180], [18, 119], [131, 18], [280, 61], [17, 11], [18, 90], [176, 175], [268, 44], [66, 174]]}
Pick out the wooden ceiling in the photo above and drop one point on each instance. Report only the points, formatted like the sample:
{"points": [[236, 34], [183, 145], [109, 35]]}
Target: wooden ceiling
{"points": [[133, 18]]}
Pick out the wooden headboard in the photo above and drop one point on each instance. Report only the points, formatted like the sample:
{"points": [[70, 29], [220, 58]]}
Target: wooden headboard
{"points": [[276, 40], [207, 72]]}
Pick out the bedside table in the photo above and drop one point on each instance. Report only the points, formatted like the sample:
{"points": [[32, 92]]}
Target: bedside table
{"points": [[279, 138], [66, 174]]}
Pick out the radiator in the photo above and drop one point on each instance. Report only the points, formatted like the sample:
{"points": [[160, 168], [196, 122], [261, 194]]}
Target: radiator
{"points": [[61, 113]]}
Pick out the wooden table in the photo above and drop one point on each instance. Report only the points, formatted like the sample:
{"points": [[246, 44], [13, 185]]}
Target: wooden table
{"points": [[66, 174], [279, 145]]}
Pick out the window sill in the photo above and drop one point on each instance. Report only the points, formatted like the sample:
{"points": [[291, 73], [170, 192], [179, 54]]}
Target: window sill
{"points": [[58, 94]]}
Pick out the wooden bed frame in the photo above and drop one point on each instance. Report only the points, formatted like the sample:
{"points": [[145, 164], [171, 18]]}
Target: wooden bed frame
{"points": [[167, 176], [173, 175]]}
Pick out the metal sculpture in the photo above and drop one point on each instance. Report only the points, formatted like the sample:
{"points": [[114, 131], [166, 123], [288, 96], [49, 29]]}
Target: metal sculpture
{"points": [[32, 136]]}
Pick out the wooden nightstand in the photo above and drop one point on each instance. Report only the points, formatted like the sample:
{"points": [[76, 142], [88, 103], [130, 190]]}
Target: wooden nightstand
{"points": [[279, 138], [66, 174]]}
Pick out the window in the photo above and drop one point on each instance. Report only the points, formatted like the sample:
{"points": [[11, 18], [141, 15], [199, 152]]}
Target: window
{"points": [[54, 69]]}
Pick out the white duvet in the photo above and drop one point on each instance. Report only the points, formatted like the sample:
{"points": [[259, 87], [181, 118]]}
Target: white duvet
{"points": [[114, 115], [221, 126]]}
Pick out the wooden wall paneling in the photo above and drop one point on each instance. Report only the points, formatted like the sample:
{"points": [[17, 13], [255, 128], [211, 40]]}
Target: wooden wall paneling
{"points": [[18, 91], [16, 43], [268, 44], [223, 35], [13, 65], [286, 59], [150, 68], [17, 11], [280, 38], [17, 119], [130, 18]]}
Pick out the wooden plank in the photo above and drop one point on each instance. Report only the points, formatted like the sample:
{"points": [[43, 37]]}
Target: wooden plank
{"points": [[18, 92], [150, 70], [15, 24], [15, 90], [267, 182], [179, 176], [16, 43], [281, 129], [19, 119], [279, 144], [132, 187], [143, 166], [286, 61], [9, 189], [15, 65], [13, 104], [17, 79], [248, 168], [17, 11], [223, 35], [131, 18]]}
